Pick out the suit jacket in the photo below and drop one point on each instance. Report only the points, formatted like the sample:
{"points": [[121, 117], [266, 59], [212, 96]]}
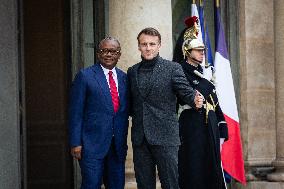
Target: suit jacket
{"points": [[154, 110], [92, 120]]}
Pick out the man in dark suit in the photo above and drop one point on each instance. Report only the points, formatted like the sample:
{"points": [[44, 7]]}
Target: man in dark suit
{"points": [[154, 84], [98, 120]]}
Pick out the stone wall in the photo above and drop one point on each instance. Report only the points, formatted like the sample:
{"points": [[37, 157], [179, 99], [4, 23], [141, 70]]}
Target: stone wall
{"points": [[261, 101], [9, 97]]}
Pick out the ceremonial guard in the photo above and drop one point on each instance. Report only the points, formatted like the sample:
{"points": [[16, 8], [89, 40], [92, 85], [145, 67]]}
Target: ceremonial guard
{"points": [[202, 131]]}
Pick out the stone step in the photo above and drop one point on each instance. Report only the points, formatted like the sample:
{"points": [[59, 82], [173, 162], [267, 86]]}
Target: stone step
{"points": [[130, 181], [133, 185]]}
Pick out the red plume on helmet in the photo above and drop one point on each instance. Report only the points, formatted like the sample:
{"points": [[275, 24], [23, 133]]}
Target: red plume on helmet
{"points": [[190, 20]]}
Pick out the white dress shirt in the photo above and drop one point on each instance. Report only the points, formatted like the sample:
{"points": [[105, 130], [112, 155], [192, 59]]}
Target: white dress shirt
{"points": [[114, 75]]}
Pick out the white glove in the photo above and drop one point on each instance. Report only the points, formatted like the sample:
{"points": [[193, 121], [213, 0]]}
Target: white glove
{"points": [[221, 143], [208, 73]]}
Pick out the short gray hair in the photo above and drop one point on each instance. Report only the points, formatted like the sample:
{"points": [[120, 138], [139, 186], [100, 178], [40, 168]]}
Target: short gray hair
{"points": [[109, 38]]}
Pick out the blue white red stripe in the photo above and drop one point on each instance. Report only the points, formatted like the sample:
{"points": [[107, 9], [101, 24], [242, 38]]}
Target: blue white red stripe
{"points": [[231, 154]]}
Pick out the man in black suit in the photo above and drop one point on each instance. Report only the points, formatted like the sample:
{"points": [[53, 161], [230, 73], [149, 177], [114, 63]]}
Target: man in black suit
{"points": [[154, 84]]}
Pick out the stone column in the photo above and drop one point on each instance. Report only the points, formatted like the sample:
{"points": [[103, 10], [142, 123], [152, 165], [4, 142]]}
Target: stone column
{"points": [[279, 73], [10, 148], [126, 19], [257, 89]]}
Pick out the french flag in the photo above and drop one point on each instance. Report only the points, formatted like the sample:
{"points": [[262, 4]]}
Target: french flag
{"points": [[194, 12], [231, 154]]}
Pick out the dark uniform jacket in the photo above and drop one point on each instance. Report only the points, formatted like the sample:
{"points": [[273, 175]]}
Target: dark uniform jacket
{"points": [[200, 132]]}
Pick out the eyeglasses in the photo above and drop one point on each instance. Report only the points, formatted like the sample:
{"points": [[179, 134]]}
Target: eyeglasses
{"points": [[111, 51]]}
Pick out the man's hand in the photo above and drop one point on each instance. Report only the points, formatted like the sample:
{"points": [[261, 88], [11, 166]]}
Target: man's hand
{"points": [[198, 100], [76, 152]]}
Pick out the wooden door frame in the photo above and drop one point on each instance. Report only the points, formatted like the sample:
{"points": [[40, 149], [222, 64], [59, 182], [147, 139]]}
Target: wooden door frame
{"points": [[22, 85]]}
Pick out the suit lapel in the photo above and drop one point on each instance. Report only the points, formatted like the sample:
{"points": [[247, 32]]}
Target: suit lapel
{"points": [[135, 72], [101, 79], [121, 86]]}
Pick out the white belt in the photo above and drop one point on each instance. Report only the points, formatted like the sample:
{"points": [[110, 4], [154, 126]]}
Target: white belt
{"points": [[184, 107]]}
